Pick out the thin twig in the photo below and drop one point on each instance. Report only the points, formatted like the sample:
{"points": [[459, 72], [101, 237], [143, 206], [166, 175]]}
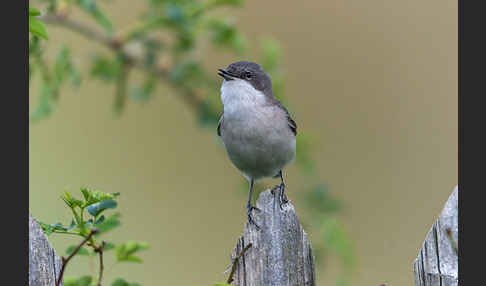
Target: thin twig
{"points": [[67, 232], [78, 27], [113, 43], [235, 262], [66, 260], [99, 250]]}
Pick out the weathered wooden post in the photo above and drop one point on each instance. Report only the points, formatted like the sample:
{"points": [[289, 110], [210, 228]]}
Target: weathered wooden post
{"points": [[280, 254], [436, 264], [44, 264]]}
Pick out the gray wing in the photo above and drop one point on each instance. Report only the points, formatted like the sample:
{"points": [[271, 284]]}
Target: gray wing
{"points": [[292, 124], [290, 121], [219, 124]]}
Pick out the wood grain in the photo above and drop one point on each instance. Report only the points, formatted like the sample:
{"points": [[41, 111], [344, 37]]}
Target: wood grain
{"points": [[436, 264], [280, 254]]}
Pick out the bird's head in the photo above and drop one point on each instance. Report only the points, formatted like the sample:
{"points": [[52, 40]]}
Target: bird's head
{"points": [[248, 72]]}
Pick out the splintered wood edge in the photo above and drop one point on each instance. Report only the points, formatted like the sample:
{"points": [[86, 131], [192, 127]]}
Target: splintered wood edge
{"points": [[44, 263], [437, 261]]}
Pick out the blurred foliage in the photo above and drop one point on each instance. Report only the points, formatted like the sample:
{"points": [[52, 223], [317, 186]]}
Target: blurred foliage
{"points": [[324, 209], [95, 203], [36, 27], [174, 62]]}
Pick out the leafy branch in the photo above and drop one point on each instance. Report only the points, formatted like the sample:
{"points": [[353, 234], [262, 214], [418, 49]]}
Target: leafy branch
{"points": [[75, 251], [136, 47], [95, 203], [36, 27]]}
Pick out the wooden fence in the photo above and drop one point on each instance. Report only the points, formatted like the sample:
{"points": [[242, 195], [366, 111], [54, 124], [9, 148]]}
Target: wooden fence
{"points": [[279, 254]]}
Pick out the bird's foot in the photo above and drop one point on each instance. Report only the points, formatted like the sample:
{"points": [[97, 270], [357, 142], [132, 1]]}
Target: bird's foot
{"points": [[282, 197], [250, 218]]}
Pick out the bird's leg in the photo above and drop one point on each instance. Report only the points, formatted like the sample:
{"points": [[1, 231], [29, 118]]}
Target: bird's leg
{"points": [[250, 207], [282, 196]]}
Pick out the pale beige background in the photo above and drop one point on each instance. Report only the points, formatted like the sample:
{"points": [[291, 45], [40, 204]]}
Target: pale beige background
{"points": [[374, 81]]}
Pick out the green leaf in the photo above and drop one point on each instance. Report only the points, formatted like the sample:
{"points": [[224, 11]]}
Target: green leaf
{"points": [[72, 225], [106, 68], [221, 284], [144, 92], [86, 194], [75, 77], [188, 73], [65, 68], [75, 281], [126, 251], [98, 14], [34, 47], [59, 226], [81, 251], [109, 246], [45, 228], [140, 93], [321, 201], [99, 220], [37, 28], [34, 11], [91, 196], [97, 208], [122, 282], [211, 4], [226, 34], [229, 2], [46, 102], [337, 240], [207, 114], [50, 228], [108, 224], [62, 63], [175, 13], [71, 201]]}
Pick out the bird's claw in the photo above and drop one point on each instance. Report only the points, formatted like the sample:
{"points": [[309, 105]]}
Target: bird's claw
{"points": [[250, 218], [282, 197]]}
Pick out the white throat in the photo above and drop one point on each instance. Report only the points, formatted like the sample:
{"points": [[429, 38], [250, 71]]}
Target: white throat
{"points": [[238, 94]]}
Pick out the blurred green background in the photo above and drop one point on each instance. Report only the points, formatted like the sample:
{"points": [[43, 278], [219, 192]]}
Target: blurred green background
{"points": [[373, 82]]}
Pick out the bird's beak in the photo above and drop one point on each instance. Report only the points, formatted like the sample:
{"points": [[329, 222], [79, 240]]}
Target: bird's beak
{"points": [[226, 75]]}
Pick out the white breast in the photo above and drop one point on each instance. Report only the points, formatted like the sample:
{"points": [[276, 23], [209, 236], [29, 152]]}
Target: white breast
{"points": [[239, 96]]}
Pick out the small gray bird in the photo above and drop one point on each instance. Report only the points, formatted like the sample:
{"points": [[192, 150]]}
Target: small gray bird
{"points": [[257, 130]]}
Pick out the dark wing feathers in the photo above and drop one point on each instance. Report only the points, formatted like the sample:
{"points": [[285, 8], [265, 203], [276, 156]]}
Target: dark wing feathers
{"points": [[290, 121], [292, 124]]}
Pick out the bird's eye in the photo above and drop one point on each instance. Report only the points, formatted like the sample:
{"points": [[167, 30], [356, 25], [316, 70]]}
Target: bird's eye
{"points": [[248, 75]]}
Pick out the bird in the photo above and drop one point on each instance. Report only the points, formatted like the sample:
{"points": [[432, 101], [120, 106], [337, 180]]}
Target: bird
{"points": [[256, 129]]}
